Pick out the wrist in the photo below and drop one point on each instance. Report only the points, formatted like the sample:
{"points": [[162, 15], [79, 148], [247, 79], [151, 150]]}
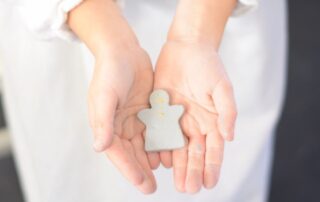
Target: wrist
{"points": [[117, 51], [201, 20], [192, 42], [113, 45], [101, 26], [195, 38]]}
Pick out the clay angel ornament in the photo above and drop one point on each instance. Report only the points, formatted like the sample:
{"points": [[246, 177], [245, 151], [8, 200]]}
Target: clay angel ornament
{"points": [[163, 130]]}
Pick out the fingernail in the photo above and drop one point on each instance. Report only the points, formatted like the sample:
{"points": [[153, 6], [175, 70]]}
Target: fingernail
{"points": [[193, 182], [228, 136], [225, 131], [139, 179], [212, 173], [148, 186], [99, 143], [98, 147]]}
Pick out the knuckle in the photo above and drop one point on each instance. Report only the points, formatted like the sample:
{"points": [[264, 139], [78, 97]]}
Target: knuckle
{"points": [[137, 180], [195, 155], [215, 149], [196, 150], [195, 168], [214, 162]]}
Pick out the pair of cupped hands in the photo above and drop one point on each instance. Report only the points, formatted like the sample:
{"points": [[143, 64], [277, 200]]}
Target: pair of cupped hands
{"points": [[192, 73]]}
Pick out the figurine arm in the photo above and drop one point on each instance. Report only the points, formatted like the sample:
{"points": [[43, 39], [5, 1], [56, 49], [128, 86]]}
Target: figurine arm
{"points": [[143, 115], [179, 109]]}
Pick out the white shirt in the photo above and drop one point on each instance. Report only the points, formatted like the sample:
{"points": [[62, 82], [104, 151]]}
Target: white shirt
{"points": [[45, 85], [48, 18]]}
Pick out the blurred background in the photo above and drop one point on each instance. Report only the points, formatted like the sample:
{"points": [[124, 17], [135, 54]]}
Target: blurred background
{"points": [[296, 167]]}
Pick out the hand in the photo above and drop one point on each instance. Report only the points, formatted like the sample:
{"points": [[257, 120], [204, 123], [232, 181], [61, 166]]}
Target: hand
{"points": [[120, 87], [194, 76]]}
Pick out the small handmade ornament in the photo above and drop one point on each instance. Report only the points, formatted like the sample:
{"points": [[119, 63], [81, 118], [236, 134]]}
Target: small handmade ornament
{"points": [[162, 123]]}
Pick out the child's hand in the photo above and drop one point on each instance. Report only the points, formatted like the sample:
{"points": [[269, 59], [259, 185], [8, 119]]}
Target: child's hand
{"points": [[194, 76], [120, 87]]}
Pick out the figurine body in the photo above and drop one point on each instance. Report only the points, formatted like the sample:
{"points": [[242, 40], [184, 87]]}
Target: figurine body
{"points": [[162, 123]]}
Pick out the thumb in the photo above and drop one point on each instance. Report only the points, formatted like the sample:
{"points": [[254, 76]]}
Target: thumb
{"points": [[224, 101], [102, 108]]}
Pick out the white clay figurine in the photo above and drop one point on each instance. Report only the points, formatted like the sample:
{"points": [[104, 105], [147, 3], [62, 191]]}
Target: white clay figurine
{"points": [[162, 123]]}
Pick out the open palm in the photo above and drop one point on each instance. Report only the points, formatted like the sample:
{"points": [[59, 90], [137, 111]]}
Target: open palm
{"points": [[119, 89], [194, 76]]}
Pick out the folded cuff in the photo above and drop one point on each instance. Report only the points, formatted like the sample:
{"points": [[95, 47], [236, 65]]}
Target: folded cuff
{"points": [[243, 6], [50, 20]]}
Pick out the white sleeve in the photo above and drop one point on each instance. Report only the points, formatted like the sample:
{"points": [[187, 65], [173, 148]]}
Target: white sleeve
{"points": [[47, 18], [243, 6]]}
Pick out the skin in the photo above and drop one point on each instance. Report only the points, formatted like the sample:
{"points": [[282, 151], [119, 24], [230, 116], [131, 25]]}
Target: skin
{"points": [[120, 87], [190, 69], [123, 80]]}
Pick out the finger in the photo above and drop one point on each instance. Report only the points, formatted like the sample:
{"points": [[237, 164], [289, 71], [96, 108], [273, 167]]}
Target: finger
{"points": [[149, 184], [195, 167], [189, 123], [166, 158], [179, 161], [121, 154], [213, 158], [154, 159], [224, 101], [91, 112], [131, 126], [103, 105]]}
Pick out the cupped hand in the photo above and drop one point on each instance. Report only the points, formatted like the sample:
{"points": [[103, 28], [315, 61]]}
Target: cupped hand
{"points": [[194, 76], [120, 87]]}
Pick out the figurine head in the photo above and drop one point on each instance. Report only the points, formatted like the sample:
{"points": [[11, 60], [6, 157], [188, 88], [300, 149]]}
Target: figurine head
{"points": [[159, 98]]}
